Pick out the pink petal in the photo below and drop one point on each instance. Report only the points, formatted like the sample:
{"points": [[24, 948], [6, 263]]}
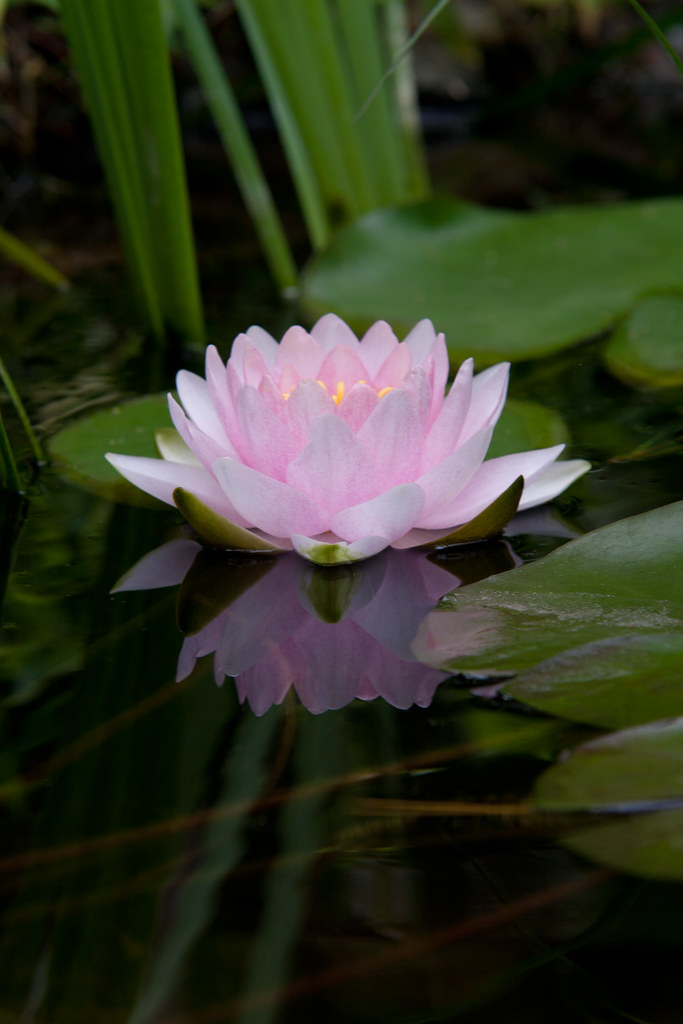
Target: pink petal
{"points": [[218, 379], [491, 479], [331, 331], [306, 403], [421, 340], [489, 389], [416, 385], [265, 503], [445, 432], [160, 479], [267, 444], [256, 338], [341, 364], [334, 467], [205, 448], [447, 479], [164, 567], [389, 515], [392, 435], [254, 367], [300, 350], [196, 399], [394, 368], [550, 482], [377, 344], [357, 404]]}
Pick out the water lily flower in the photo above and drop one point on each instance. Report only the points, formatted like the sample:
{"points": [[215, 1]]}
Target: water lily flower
{"points": [[339, 448]]}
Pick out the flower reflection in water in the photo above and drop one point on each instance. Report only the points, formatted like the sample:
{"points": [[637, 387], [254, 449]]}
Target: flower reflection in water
{"points": [[332, 634]]}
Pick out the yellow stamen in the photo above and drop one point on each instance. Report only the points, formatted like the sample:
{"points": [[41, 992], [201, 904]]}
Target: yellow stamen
{"points": [[340, 392]]}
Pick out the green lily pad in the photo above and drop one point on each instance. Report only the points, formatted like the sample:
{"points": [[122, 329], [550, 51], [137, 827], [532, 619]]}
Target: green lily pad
{"points": [[615, 581], [648, 845], [624, 771], [611, 683], [648, 347], [526, 425], [501, 285], [128, 428]]}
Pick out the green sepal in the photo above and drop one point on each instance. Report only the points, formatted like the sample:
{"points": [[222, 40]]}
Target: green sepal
{"points": [[215, 529], [488, 523]]}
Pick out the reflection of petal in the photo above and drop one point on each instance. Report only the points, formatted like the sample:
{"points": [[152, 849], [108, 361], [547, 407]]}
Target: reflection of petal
{"points": [[333, 635], [411, 587], [164, 567]]}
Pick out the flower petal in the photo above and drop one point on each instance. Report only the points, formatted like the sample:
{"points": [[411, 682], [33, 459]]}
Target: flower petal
{"points": [[443, 482], [268, 504], [357, 404], [334, 468], [342, 364], [491, 479], [193, 392], [389, 515], [421, 340], [301, 352], [306, 403], [550, 482], [377, 344], [201, 445], [330, 331], [489, 389], [163, 567], [446, 429], [393, 437], [267, 445]]}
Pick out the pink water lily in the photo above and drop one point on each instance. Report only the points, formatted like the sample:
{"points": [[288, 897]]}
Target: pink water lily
{"points": [[338, 447]]}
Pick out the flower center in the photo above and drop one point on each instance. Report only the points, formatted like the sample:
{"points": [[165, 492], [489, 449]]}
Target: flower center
{"points": [[340, 390]]}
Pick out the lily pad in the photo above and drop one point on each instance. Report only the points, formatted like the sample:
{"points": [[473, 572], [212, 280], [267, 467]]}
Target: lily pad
{"points": [[648, 845], [636, 770], [632, 770], [501, 285], [612, 683], [647, 348], [614, 582], [128, 427]]}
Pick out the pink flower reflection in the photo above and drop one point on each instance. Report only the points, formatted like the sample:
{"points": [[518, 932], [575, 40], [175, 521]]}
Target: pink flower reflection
{"points": [[332, 634]]}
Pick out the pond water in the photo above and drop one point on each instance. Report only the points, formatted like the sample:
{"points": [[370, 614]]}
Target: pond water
{"points": [[363, 846]]}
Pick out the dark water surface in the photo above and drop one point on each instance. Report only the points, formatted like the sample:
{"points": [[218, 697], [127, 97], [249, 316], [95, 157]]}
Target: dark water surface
{"points": [[359, 849]]}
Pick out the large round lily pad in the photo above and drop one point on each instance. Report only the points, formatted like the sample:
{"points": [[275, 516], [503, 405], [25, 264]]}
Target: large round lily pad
{"points": [[501, 285]]}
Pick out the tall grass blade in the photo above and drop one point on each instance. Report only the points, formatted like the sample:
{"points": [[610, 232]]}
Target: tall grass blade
{"points": [[9, 474], [222, 104], [27, 258], [36, 448], [121, 56]]}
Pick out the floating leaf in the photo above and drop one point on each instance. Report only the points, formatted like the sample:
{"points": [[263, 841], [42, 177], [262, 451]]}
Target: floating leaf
{"points": [[632, 770], [620, 579], [613, 683], [648, 347], [129, 427], [501, 285], [648, 845]]}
